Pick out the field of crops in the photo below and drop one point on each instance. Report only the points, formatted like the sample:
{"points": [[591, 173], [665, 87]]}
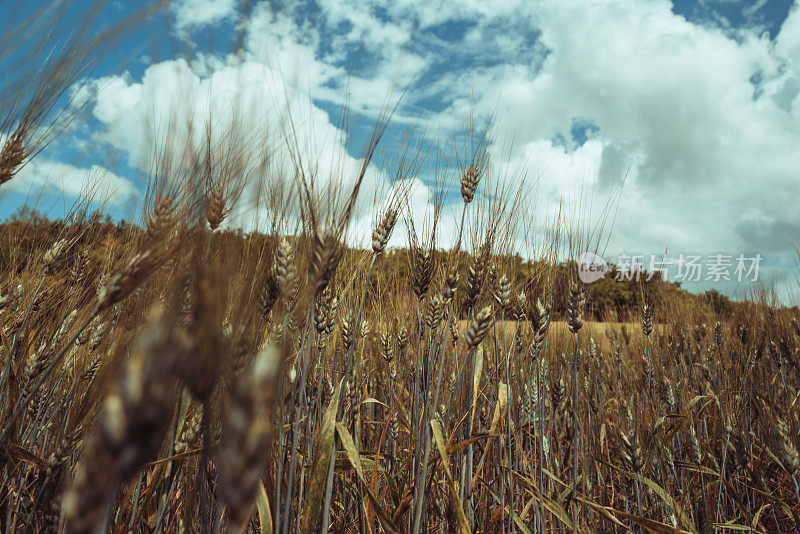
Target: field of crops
{"points": [[175, 378], [178, 375]]}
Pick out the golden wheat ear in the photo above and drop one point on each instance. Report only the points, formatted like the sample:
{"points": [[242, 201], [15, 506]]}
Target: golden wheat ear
{"points": [[11, 157]]}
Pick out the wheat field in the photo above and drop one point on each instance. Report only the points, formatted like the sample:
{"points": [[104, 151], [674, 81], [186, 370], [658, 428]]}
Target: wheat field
{"points": [[178, 374]]}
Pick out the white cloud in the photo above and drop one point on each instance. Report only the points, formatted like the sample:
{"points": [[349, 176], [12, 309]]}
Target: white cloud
{"points": [[247, 105], [196, 13], [704, 121], [96, 183], [712, 165]]}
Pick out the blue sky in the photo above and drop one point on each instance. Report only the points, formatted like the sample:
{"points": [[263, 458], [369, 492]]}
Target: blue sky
{"points": [[694, 104], [767, 14]]}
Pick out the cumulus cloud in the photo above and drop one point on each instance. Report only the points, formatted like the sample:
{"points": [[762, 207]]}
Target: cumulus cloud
{"points": [[702, 121], [250, 111], [96, 183], [703, 124], [191, 14]]}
